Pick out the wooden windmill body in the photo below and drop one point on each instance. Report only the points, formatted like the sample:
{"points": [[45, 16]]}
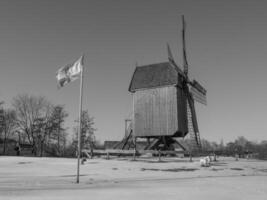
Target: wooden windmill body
{"points": [[159, 101]]}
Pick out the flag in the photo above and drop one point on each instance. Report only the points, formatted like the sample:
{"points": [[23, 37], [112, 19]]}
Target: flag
{"points": [[70, 72]]}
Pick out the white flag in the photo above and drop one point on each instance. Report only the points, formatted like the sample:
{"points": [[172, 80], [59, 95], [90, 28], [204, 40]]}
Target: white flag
{"points": [[70, 72]]}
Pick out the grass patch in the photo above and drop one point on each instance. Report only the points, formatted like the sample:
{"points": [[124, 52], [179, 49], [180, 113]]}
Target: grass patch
{"points": [[219, 164], [238, 169], [170, 170], [74, 175], [22, 163], [262, 170], [216, 169], [92, 162]]}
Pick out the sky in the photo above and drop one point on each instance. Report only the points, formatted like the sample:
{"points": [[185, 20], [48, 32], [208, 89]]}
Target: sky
{"points": [[226, 44]]}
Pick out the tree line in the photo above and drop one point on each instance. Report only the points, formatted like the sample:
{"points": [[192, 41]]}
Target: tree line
{"points": [[241, 147], [35, 123]]}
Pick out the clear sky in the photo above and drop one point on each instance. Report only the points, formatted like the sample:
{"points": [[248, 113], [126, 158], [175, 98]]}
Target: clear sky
{"points": [[226, 43]]}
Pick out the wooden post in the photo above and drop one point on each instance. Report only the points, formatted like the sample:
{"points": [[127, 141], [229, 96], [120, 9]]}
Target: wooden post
{"points": [[236, 154], [91, 153], [125, 127], [133, 131], [159, 155], [236, 157], [134, 154], [190, 157]]}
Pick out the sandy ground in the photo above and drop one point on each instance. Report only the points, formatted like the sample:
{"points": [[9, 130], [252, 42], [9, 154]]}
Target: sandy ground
{"points": [[121, 178]]}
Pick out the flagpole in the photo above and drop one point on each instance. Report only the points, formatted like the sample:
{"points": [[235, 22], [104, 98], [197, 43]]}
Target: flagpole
{"points": [[80, 127]]}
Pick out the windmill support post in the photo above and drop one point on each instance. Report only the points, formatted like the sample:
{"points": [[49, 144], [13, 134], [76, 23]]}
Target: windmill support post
{"points": [[164, 143]]}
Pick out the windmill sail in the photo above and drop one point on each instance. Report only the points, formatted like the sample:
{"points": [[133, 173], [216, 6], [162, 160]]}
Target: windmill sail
{"points": [[199, 87], [198, 96], [184, 49], [170, 57], [198, 92]]}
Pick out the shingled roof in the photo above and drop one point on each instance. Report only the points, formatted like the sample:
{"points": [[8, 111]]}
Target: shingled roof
{"points": [[154, 75]]}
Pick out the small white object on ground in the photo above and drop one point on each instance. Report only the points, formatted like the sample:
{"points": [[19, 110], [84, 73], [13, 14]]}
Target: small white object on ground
{"points": [[205, 162]]}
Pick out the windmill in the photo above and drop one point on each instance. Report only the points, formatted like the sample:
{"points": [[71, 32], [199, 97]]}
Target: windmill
{"points": [[163, 104]]}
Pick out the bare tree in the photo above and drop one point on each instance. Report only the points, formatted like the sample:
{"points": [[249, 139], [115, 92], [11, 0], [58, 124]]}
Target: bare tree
{"points": [[8, 126], [1, 118], [87, 130], [31, 110], [58, 132]]}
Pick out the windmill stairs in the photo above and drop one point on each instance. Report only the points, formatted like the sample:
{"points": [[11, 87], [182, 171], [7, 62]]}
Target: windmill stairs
{"points": [[193, 137]]}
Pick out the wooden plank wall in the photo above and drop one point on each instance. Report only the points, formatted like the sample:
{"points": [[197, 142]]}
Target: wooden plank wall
{"points": [[155, 112]]}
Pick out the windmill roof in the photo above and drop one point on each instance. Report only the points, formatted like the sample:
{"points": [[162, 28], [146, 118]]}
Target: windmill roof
{"points": [[154, 75]]}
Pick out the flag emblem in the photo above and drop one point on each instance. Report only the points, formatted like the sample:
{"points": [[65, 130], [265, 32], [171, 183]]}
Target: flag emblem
{"points": [[69, 72]]}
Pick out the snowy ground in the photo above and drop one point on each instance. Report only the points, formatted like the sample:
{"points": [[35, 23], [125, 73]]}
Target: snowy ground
{"points": [[120, 178]]}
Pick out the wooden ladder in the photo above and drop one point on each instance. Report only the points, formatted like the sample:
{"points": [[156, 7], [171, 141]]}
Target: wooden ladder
{"points": [[194, 137]]}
